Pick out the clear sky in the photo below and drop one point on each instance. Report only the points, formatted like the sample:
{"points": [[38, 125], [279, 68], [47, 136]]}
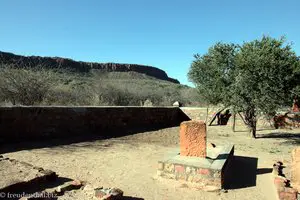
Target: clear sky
{"points": [[161, 33]]}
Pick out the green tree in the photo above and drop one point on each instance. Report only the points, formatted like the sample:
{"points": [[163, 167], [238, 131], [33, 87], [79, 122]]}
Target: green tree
{"points": [[258, 77], [212, 73]]}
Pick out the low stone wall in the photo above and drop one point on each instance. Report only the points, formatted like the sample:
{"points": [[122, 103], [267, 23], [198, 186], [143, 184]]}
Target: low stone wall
{"points": [[199, 113], [200, 172], [282, 184], [39, 122], [287, 120], [197, 175], [295, 168], [206, 114]]}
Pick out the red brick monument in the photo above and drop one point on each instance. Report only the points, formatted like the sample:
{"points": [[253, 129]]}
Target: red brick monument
{"points": [[193, 139], [195, 162]]}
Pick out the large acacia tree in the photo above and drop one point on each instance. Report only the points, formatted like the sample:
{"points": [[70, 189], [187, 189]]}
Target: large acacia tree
{"points": [[257, 77]]}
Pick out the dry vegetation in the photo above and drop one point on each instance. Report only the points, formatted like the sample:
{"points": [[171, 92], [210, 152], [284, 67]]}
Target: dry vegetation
{"points": [[40, 86]]}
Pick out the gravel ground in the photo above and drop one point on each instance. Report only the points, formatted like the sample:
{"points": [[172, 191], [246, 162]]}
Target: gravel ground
{"points": [[130, 162]]}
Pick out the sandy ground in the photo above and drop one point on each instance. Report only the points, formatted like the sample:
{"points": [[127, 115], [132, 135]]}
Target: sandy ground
{"points": [[130, 163]]}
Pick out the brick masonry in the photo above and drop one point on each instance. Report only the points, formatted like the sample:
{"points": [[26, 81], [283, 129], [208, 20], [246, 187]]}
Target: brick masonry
{"points": [[193, 138], [282, 184], [191, 174], [199, 171], [22, 123], [287, 120], [295, 168]]}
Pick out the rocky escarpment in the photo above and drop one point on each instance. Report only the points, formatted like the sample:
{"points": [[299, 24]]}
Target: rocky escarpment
{"points": [[78, 66]]}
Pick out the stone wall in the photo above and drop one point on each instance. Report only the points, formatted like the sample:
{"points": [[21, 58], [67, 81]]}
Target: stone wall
{"points": [[206, 114], [200, 172], [295, 168], [198, 113], [189, 174], [287, 120], [283, 187], [40, 122]]}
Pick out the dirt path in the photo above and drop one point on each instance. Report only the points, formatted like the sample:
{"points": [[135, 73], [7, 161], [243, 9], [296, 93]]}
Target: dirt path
{"points": [[130, 163]]}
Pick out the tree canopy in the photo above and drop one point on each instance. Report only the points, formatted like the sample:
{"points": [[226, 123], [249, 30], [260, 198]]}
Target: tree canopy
{"points": [[256, 77]]}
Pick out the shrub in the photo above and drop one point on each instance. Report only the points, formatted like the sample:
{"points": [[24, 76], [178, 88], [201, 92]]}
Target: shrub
{"points": [[37, 85], [25, 86]]}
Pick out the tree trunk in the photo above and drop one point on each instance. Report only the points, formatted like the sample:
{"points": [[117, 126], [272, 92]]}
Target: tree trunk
{"points": [[206, 115], [253, 130], [233, 125], [250, 119]]}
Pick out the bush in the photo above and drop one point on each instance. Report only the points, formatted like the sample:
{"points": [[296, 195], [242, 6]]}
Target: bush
{"points": [[113, 96], [65, 95], [35, 86], [25, 86]]}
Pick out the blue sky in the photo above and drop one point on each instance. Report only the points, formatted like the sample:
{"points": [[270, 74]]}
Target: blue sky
{"points": [[161, 33]]}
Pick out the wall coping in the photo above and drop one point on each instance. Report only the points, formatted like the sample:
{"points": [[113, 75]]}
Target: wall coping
{"points": [[152, 107]]}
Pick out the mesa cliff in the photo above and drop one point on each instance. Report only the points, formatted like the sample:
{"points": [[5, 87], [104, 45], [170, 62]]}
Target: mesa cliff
{"points": [[79, 66]]}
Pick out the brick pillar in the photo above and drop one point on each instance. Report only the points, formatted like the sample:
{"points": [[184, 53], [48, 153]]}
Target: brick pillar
{"points": [[193, 138], [295, 171], [296, 105]]}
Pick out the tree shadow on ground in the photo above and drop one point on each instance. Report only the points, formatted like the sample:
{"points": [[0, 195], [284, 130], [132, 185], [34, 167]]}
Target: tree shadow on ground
{"points": [[130, 198], [290, 138], [260, 129], [242, 173], [280, 135]]}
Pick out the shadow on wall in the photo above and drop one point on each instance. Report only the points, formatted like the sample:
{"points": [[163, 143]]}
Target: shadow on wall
{"points": [[243, 173], [27, 133]]}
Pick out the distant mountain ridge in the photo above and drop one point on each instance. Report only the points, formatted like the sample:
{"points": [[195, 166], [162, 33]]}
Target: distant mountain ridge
{"points": [[79, 66]]}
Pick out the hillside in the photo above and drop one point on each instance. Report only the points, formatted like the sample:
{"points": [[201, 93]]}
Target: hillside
{"points": [[78, 66], [58, 81]]}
